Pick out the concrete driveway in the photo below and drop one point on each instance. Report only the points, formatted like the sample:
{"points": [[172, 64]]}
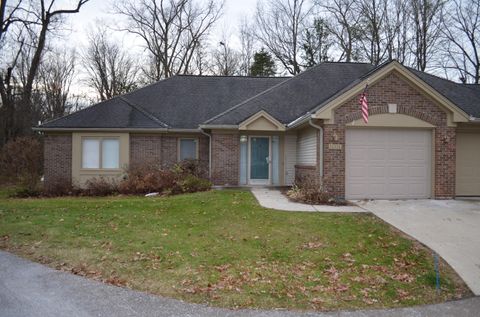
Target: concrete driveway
{"points": [[449, 227]]}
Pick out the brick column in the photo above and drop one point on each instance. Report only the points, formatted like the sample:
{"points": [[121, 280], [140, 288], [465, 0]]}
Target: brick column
{"points": [[445, 162], [57, 160], [225, 158], [334, 159]]}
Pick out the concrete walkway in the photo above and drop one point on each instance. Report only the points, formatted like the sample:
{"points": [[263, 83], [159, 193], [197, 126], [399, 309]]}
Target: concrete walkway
{"points": [[29, 289], [274, 199], [449, 227]]}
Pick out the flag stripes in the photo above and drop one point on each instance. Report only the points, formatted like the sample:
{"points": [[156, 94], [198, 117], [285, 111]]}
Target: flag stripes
{"points": [[364, 105]]}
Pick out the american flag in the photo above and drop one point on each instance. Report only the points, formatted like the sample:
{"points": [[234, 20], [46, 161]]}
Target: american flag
{"points": [[364, 105]]}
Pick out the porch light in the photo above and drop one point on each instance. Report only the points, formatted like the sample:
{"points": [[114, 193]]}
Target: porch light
{"points": [[243, 138]]}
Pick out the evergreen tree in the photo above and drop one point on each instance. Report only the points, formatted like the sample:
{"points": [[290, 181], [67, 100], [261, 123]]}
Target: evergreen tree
{"points": [[263, 64]]}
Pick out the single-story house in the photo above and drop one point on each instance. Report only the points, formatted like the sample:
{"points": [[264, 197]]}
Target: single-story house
{"points": [[422, 139]]}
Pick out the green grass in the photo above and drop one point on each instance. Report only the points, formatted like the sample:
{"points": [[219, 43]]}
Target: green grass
{"points": [[222, 248]]}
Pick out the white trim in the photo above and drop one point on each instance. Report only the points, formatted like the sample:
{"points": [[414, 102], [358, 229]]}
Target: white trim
{"points": [[251, 181]]}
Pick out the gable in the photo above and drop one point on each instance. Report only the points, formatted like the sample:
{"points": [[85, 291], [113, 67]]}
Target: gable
{"points": [[403, 78], [261, 121]]}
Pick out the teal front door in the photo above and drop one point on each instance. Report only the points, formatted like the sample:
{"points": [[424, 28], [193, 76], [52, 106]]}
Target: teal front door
{"points": [[259, 160]]}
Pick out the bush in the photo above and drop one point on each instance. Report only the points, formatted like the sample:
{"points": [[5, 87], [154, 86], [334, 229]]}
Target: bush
{"points": [[192, 184], [192, 167], [143, 179], [99, 187], [61, 187], [21, 163], [310, 192]]}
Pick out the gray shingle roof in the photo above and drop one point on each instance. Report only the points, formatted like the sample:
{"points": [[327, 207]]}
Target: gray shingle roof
{"points": [[465, 96], [113, 113], [182, 102], [188, 101], [296, 96]]}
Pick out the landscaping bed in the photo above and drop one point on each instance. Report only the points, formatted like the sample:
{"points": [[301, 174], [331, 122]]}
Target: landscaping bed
{"points": [[223, 249]]}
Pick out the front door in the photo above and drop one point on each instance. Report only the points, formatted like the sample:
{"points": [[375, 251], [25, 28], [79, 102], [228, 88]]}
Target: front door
{"points": [[259, 160]]}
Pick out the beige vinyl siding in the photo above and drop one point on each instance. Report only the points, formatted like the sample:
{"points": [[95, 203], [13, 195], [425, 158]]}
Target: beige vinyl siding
{"points": [[307, 147], [290, 158]]}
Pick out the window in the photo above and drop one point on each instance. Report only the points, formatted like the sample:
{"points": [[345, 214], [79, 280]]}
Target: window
{"points": [[101, 153], [188, 149]]}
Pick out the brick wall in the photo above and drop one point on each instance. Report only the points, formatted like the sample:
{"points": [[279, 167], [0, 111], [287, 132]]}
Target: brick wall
{"points": [[225, 159], [391, 89], [57, 159], [145, 149], [162, 149]]}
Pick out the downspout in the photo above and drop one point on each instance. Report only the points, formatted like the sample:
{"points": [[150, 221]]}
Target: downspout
{"points": [[320, 129], [209, 152]]}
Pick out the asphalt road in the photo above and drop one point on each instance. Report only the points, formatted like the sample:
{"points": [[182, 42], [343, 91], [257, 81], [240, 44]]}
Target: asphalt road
{"points": [[31, 289]]}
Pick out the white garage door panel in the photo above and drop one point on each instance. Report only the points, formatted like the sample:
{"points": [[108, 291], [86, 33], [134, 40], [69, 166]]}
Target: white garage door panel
{"points": [[468, 164], [388, 164]]}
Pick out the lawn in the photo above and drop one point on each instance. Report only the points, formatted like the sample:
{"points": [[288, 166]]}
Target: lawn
{"points": [[223, 249]]}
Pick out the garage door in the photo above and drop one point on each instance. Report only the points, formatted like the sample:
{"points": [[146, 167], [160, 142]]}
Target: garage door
{"points": [[388, 163], [468, 164]]}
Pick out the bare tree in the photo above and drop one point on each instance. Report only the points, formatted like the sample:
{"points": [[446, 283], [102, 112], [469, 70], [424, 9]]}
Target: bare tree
{"points": [[33, 22], [111, 71], [343, 23], [397, 25], [226, 60], [247, 46], [316, 44], [373, 29], [170, 29], [280, 26], [54, 81], [427, 18], [461, 32]]}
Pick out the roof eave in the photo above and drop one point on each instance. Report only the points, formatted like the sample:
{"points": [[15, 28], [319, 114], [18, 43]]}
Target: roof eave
{"points": [[219, 126], [46, 129]]}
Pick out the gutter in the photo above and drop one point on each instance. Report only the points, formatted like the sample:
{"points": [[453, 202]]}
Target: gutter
{"points": [[218, 126], [320, 129], [474, 120], [209, 135]]}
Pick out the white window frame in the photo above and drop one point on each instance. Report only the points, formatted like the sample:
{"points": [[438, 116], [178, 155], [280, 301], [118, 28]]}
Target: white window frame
{"points": [[179, 147], [100, 153]]}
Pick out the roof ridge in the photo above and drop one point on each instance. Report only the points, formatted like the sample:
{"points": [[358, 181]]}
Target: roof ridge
{"points": [[260, 94], [143, 111]]}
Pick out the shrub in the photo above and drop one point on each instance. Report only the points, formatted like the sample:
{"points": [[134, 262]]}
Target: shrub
{"points": [[310, 192], [143, 179], [61, 187], [192, 184], [191, 167], [99, 187], [21, 163]]}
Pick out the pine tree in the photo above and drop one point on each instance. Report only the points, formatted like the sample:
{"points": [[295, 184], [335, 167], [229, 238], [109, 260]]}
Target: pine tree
{"points": [[263, 64]]}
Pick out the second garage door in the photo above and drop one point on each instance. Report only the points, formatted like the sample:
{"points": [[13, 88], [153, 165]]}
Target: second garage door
{"points": [[468, 164], [388, 163]]}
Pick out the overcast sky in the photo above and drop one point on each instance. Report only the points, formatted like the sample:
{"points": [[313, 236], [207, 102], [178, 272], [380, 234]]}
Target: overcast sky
{"points": [[100, 11]]}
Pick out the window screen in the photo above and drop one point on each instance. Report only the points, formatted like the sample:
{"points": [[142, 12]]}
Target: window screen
{"points": [[91, 153], [188, 149], [110, 153]]}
